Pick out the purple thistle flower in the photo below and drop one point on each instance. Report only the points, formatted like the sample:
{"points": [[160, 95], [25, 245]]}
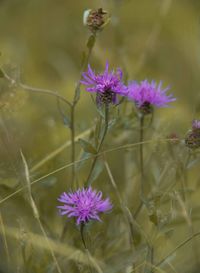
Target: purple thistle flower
{"points": [[84, 204], [106, 85], [148, 94]]}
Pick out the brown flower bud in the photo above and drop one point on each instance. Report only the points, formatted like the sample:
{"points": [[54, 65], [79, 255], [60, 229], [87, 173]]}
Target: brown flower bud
{"points": [[95, 20], [192, 139]]}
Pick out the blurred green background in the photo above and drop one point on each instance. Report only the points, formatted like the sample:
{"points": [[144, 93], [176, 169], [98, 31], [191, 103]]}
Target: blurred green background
{"points": [[42, 43]]}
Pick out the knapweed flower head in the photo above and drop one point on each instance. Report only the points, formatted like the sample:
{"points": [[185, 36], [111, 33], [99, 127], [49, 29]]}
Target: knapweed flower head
{"points": [[106, 85], [95, 19], [192, 139], [84, 204], [147, 95]]}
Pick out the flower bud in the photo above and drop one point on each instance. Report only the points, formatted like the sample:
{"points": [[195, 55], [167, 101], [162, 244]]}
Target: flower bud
{"points": [[95, 20]]}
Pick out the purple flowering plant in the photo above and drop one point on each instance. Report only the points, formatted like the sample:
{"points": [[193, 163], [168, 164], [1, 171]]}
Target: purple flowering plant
{"points": [[106, 85], [84, 204], [146, 95]]}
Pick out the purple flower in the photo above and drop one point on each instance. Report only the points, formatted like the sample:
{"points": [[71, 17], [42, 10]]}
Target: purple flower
{"points": [[148, 94], [196, 124], [84, 204], [106, 85]]}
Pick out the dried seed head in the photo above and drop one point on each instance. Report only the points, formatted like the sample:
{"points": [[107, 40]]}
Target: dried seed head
{"points": [[174, 138], [95, 20], [192, 139]]}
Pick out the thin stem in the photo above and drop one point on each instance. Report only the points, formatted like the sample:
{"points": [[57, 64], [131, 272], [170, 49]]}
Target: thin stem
{"points": [[72, 115], [141, 157], [35, 89], [73, 143], [82, 235], [58, 150], [100, 144], [187, 204], [141, 141], [74, 103], [177, 248], [78, 161], [125, 209], [142, 193], [85, 245]]}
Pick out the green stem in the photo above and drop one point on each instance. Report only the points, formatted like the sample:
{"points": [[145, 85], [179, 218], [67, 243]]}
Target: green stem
{"points": [[73, 144], [82, 235], [177, 248], [187, 204], [141, 141], [100, 144], [141, 157], [82, 227], [72, 115], [73, 106]]}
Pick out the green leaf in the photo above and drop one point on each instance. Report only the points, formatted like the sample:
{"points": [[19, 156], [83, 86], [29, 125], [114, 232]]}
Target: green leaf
{"points": [[97, 170], [83, 160], [87, 147]]}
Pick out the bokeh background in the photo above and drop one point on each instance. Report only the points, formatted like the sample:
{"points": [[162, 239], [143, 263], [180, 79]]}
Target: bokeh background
{"points": [[42, 43]]}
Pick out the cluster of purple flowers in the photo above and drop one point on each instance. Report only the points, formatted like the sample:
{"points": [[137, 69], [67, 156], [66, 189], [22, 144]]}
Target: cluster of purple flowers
{"points": [[86, 204], [108, 85]]}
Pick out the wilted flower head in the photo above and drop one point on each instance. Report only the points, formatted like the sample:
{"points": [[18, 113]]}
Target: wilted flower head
{"points": [[174, 138], [148, 94], [106, 85], [84, 204], [192, 139], [95, 20]]}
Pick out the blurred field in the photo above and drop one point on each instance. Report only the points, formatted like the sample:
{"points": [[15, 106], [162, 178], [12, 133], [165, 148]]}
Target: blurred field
{"points": [[42, 43]]}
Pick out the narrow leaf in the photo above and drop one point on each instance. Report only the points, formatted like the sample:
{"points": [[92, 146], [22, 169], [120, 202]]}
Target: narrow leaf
{"points": [[87, 147]]}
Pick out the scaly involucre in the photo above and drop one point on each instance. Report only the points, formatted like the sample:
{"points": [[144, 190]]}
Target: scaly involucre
{"points": [[106, 85], [149, 93], [84, 204]]}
